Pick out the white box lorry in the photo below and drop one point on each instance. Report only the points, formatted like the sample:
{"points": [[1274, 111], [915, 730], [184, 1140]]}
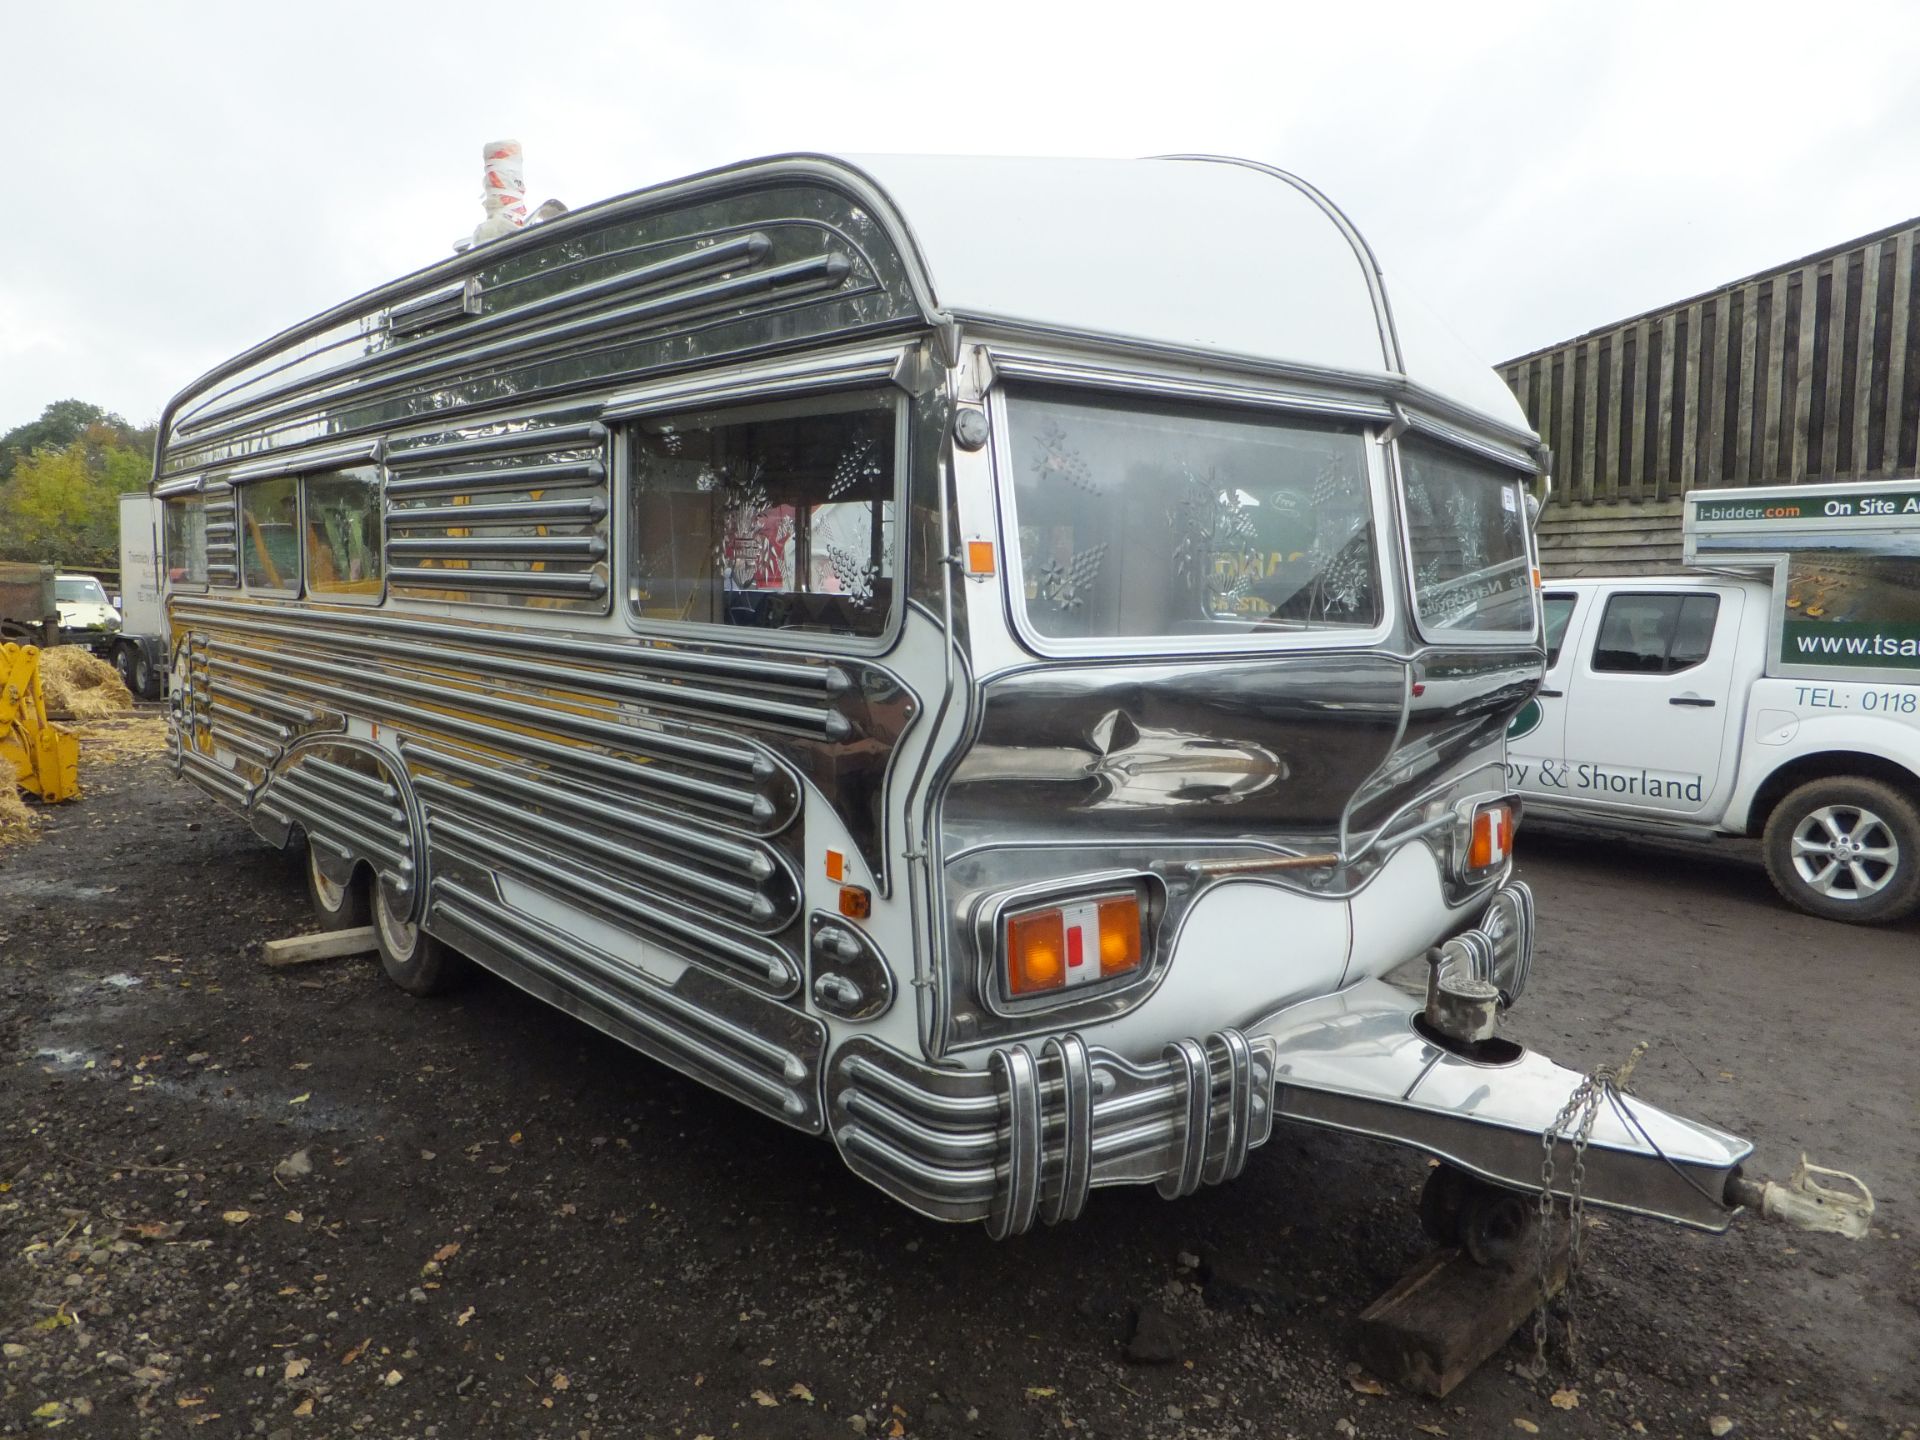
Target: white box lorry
{"points": [[139, 651], [1771, 691]]}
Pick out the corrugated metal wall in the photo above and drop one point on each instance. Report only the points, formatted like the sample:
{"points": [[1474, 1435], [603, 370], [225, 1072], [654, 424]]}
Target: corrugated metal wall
{"points": [[1807, 372]]}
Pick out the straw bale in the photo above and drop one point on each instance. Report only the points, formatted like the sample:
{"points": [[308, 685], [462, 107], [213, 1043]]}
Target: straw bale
{"points": [[79, 685]]}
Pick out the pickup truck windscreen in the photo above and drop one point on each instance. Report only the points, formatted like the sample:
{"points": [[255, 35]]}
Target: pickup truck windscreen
{"points": [[1467, 534], [1146, 520]]}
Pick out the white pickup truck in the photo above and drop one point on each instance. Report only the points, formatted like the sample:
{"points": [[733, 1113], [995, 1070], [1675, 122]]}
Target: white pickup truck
{"points": [[1771, 691]]}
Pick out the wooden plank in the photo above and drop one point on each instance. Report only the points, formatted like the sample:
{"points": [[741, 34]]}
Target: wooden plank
{"points": [[1836, 340], [1863, 358], [1803, 386], [1616, 475], [1742, 472], [1713, 400], [1897, 356], [327, 945], [1776, 372], [1663, 481], [1636, 470], [1689, 417], [1447, 1315], [1589, 419]]}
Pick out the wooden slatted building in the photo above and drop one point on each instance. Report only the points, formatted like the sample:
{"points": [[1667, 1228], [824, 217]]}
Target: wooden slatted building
{"points": [[1808, 371]]}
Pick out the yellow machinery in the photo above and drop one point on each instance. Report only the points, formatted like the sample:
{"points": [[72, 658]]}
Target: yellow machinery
{"points": [[44, 756]]}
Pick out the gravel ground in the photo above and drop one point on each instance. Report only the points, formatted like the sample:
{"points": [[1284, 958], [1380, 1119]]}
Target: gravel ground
{"points": [[298, 1204]]}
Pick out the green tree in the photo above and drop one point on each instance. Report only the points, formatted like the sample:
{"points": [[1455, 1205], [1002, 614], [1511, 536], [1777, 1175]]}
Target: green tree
{"points": [[60, 488]]}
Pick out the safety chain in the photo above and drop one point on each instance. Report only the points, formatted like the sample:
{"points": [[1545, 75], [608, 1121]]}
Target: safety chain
{"points": [[1580, 1111]]}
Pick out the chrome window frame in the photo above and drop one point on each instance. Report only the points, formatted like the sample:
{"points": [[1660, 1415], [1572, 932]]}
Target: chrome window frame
{"points": [[1366, 420], [182, 491], [241, 488], [1464, 639], [879, 373], [325, 597]]}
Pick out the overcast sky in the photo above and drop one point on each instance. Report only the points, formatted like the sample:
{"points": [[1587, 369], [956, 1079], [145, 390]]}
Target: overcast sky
{"points": [[185, 178]]}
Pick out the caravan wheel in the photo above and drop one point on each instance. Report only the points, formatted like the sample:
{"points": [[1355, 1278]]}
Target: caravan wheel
{"points": [[413, 959]]}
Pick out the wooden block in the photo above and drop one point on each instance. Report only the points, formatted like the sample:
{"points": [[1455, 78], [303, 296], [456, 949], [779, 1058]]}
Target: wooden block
{"points": [[1446, 1315], [328, 945]]}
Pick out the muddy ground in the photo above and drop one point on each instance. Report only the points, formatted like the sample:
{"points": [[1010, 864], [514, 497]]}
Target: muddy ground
{"points": [[297, 1203]]}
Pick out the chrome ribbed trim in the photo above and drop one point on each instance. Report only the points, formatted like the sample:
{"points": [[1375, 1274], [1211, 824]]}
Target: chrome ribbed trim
{"points": [[357, 813], [1029, 1136], [507, 512], [512, 477], [761, 1053], [701, 939]]}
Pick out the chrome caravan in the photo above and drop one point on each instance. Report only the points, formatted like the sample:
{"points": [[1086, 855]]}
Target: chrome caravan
{"points": [[989, 661]]}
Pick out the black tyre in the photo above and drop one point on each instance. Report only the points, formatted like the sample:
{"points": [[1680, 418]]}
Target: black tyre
{"points": [[1846, 849], [146, 675], [413, 959], [336, 906], [125, 660]]}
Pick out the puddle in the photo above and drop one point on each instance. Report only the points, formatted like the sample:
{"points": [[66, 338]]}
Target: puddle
{"points": [[28, 887], [121, 980], [64, 1057]]}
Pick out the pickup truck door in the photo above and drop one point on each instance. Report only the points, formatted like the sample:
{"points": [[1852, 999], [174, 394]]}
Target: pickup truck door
{"points": [[1648, 702], [1537, 738]]}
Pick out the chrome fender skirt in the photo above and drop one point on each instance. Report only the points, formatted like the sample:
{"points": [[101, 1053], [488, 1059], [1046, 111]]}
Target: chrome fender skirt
{"points": [[1355, 1062]]}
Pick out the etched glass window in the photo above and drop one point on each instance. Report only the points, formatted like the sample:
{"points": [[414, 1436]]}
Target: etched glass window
{"points": [[343, 534], [269, 540], [1139, 519], [777, 517], [186, 540], [1467, 527]]}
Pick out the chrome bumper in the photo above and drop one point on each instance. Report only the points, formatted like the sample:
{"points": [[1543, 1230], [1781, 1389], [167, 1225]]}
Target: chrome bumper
{"points": [[1029, 1137]]}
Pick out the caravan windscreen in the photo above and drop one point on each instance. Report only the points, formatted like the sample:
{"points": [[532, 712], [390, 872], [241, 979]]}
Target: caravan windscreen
{"points": [[1146, 520], [1467, 534]]}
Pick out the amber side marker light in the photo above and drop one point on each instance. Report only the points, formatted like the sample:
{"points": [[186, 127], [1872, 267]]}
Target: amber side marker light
{"points": [[856, 902], [1492, 837], [980, 559], [1060, 946]]}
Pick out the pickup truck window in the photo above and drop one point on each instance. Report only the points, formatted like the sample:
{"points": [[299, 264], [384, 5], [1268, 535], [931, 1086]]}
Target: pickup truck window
{"points": [[1558, 610], [1655, 634], [1467, 530]]}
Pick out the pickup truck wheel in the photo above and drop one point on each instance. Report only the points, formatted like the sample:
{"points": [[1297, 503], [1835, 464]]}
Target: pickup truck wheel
{"points": [[413, 959], [336, 906], [1846, 849]]}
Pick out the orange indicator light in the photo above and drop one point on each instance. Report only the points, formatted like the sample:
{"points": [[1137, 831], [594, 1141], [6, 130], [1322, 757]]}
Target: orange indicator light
{"points": [[855, 902], [1492, 837]]}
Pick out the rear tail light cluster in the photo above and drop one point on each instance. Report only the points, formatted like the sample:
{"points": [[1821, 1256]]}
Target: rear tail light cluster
{"points": [[1056, 947], [1490, 843]]}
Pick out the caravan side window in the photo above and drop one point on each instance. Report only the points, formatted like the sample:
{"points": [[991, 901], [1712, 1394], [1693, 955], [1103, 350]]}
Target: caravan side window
{"points": [[343, 534], [775, 517], [186, 540], [269, 543]]}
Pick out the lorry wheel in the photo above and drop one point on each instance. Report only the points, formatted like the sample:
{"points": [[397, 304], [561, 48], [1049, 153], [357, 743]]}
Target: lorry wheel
{"points": [[337, 907], [1846, 849], [124, 657], [413, 959], [146, 680]]}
